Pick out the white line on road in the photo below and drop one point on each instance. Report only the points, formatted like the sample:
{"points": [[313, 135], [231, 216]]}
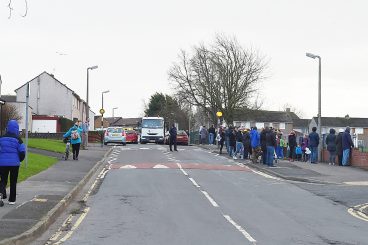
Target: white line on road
{"points": [[194, 183], [265, 175], [181, 169], [239, 228], [210, 199]]}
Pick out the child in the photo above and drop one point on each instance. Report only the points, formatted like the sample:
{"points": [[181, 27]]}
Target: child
{"points": [[307, 153], [298, 152]]}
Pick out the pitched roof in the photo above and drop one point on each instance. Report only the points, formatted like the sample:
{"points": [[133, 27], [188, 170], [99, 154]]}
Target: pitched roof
{"points": [[301, 123], [343, 122], [264, 116]]}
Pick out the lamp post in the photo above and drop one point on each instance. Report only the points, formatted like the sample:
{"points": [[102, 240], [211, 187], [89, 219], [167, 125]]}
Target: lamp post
{"points": [[87, 111], [113, 109], [313, 56]]}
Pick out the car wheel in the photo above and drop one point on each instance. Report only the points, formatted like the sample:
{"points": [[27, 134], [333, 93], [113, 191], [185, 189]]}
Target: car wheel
{"points": [[105, 143]]}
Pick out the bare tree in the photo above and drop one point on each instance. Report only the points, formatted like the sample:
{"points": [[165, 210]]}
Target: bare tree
{"points": [[9, 112], [218, 77]]}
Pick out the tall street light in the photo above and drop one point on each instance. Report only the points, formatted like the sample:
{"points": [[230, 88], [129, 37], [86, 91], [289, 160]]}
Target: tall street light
{"points": [[87, 112], [313, 56], [113, 109]]}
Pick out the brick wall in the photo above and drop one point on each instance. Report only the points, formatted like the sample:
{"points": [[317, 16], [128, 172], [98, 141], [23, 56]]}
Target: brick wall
{"points": [[358, 159]]}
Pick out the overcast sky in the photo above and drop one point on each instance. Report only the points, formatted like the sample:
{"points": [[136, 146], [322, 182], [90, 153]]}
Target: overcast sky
{"points": [[134, 43]]}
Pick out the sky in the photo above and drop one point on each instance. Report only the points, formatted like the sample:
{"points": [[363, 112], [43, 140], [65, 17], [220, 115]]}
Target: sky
{"points": [[134, 44]]}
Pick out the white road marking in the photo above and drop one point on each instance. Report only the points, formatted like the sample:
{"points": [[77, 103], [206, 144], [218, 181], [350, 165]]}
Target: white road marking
{"points": [[182, 170], [194, 183], [210, 199], [144, 148], [160, 166], [239, 228], [128, 167], [266, 175], [357, 183], [358, 211]]}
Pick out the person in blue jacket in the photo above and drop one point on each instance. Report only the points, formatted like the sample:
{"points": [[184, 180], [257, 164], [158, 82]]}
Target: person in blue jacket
{"points": [[75, 133], [12, 153]]}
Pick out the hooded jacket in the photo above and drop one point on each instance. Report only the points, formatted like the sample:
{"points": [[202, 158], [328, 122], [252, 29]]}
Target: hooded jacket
{"points": [[331, 141], [347, 142], [12, 149], [313, 139], [254, 138], [69, 133]]}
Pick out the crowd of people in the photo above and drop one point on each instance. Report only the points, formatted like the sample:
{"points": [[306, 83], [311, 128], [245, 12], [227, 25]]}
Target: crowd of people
{"points": [[269, 144]]}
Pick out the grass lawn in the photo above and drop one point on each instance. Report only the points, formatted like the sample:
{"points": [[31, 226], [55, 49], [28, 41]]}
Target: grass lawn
{"points": [[36, 163], [46, 144]]}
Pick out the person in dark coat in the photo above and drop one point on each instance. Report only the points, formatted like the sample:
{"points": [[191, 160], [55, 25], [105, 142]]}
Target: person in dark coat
{"points": [[331, 146], [313, 145], [211, 134], [173, 133], [232, 143], [222, 138], [12, 153], [263, 144], [339, 146], [270, 146], [292, 145], [347, 145], [246, 144]]}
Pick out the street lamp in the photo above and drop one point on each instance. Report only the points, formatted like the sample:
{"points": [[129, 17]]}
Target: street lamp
{"points": [[313, 56], [87, 112], [113, 109]]}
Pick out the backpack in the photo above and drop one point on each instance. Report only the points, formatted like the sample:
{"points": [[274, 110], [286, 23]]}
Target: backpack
{"points": [[75, 135]]}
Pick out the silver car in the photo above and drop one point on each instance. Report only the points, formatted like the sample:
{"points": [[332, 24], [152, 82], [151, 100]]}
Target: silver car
{"points": [[115, 135]]}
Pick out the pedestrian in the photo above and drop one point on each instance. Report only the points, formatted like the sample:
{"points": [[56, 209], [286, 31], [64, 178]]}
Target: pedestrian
{"points": [[232, 143], [246, 144], [313, 145], [292, 145], [263, 144], [347, 145], [255, 144], [239, 143], [203, 135], [298, 152], [279, 143], [331, 146], [339, 150], [85, 129], [173, 133], [221, 135], [75, 139], [270, 142], [307, 154], [211, 134], [12, 153], [304, 145]]}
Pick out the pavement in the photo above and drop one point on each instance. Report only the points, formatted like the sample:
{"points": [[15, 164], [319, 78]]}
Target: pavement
{"points": [[43, 197]]}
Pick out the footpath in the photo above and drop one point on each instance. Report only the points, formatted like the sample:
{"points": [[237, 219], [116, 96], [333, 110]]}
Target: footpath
{"points": [[320, 173], [41, 198]]}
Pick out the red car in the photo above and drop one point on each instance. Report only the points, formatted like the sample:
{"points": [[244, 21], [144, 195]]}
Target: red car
{"points": [[131, 136], [182, 138]]}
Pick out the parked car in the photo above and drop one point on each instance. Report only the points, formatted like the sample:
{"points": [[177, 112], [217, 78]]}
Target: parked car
{"points": [[115, 135], [181, 138], [131, 136]]}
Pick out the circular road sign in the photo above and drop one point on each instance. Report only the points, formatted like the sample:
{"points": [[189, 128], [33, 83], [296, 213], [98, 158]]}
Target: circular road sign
{"points": [[219, 114], [102, 111]]}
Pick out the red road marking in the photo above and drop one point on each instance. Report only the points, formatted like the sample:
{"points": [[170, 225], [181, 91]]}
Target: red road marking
{"points": [[203, 166]]}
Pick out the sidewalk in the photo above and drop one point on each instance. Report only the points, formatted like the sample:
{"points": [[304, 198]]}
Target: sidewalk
{"points": [[41, 198], [306, 172]]}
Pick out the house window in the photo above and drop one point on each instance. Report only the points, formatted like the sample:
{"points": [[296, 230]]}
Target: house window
{"points": [[359, 131], [259, 125], [282, 126]]}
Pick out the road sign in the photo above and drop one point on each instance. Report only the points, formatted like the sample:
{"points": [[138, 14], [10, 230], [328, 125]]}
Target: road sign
{"points": [[219, 114], [102, 111]]}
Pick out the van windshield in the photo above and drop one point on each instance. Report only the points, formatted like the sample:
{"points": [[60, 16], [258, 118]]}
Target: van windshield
{"points": [[152, 123]]}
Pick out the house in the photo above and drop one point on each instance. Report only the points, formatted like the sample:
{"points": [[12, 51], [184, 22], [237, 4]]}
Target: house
{"points": [[358, 126], [282, 120], [117, 122], [301, 125], [21, 110], [50, 97]]}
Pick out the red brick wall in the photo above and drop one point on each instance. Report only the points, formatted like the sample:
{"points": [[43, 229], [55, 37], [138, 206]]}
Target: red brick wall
{"points": [[359, 159]]}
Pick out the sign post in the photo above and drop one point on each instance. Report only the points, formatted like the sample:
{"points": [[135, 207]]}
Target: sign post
{"points": [[102, 112]]}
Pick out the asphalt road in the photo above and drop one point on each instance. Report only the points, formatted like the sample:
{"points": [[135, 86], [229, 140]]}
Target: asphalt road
{"points": [[153, 196]]}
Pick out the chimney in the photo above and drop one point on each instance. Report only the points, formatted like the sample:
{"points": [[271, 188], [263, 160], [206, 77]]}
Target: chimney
{"points": [[288, 110], [347, 116]]}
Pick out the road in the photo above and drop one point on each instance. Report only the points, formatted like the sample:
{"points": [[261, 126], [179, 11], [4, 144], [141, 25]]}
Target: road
{"points": [[153, 196]]}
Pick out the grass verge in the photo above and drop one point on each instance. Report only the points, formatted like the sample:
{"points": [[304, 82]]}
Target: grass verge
{"points": [[46, 144], [36, 163]]}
